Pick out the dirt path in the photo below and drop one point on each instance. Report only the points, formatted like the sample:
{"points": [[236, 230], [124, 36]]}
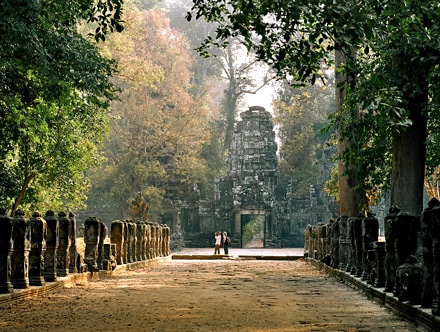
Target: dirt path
{"points": [[201, 295]]}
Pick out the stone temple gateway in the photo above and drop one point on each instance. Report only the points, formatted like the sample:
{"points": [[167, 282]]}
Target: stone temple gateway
{"points": [[253, 175], [249, 202]]}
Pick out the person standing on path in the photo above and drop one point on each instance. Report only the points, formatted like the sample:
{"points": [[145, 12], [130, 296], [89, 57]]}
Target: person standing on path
{"points": [[226, 240], [218, 241]]}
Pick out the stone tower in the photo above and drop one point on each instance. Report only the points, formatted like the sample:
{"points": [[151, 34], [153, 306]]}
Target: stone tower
{"points": [[253, 174]]}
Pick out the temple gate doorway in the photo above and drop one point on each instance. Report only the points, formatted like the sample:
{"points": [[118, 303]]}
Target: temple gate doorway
{"points": [[253, 230]]}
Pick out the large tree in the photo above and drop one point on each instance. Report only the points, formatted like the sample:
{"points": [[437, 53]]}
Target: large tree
{"points": [[402, 36], [54, 91], [232, 67], [396, 100], [297, 40], [158, 127]]}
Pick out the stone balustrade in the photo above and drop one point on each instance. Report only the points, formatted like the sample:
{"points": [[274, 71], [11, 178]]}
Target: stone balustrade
{"points": [[37, 250], [406, 263]]}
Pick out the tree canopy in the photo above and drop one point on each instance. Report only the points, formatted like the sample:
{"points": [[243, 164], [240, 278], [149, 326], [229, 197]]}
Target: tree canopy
{"points": [[390, 53], [158, 128], [299, 115], [54, 90]]}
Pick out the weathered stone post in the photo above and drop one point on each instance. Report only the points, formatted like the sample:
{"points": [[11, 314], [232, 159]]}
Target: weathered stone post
{"points": [[92, 231], [6, 249], [405, 243], [436, 260], [351, 268], [319, 251], [343, 243], [109, 260], [131, 244], [168, 239], [379, 264], [21, 233], [358, 245], [408, 281], [306, 240], [426, 253], [63, 258], [146, 244], [148, 235], [125, 243], [323, 239], [320, 241], [50, 257], [164, 240], [117, 237], [103, 232], [73, 252], [390, 253], [328, 242], [153, 241], [113, 255], [335, 244], [370, 233], [312, 242], [159, 240], [316, 241], [38, 249], [312, 248], [140, 240]]}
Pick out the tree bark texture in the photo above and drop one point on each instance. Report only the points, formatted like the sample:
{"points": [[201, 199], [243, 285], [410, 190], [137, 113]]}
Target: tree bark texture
{"points": [[409, 150], [350, 202]]}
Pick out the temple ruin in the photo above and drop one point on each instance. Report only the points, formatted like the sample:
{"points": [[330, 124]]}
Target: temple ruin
{"points": [[249, 203]]}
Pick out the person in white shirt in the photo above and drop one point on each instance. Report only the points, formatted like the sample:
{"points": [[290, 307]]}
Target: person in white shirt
{"points": [[218, 241]]}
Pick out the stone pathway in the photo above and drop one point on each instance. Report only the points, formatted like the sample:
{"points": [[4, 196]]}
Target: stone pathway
{"points": [[236, 252], [205, 295]]}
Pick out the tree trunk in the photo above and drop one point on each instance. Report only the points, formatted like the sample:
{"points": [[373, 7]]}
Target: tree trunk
{"points": [[231, 97], [350, 202], [230, 110], [409, 150], [22, 194]]}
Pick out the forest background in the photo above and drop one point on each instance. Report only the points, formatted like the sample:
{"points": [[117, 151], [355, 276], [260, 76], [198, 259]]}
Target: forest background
{"points": [[94, 119]]}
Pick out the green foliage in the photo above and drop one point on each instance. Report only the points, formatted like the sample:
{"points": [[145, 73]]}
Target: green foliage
{"points": [[253, 227], [295, 38], [158, 129], [331, 187], [300, 114], [54, 88], [395, 71], [392, 70], [433, 140]]}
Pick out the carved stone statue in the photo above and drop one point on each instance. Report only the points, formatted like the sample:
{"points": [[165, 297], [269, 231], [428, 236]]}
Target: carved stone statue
{"points": [[138, 210]]}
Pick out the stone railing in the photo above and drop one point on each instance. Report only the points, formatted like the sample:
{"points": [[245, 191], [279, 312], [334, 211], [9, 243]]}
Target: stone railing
{"points": [[40, 249], [406, 263]]}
